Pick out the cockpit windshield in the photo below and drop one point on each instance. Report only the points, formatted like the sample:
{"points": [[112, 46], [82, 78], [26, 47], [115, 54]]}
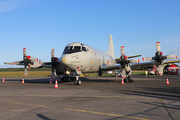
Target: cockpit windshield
{"points": [[77, 48], [73, 49]]}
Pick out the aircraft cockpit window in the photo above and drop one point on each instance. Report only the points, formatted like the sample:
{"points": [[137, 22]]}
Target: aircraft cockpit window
{"points": [[83, 49], [78, 48], [66, 48], [71, 47]]}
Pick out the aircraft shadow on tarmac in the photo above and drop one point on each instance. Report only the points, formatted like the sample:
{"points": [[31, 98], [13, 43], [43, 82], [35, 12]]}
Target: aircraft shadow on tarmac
{"points": [[31, 80], [160, 93], [43, 117]]}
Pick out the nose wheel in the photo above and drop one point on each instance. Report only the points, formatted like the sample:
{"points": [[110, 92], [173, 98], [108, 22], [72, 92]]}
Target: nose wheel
{"points": [[77, 81]]}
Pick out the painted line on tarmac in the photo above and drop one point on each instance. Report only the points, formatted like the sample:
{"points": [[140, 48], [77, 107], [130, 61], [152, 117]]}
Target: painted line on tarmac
{"points": [[108, 114], [76, 96], [22, 103]]}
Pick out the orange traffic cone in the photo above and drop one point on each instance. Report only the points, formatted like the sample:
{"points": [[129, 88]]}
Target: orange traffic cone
{"points": [[23, 81], [167, 82], [50, 81], [56, 85], [122, 83], [3, 80]]}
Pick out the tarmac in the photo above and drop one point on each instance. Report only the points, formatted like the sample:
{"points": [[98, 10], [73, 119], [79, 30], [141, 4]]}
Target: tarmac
{"points": [[97, 98]]}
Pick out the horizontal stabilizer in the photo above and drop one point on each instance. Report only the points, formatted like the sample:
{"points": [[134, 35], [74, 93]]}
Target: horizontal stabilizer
{"points": [[171, 57], [147, 59]]}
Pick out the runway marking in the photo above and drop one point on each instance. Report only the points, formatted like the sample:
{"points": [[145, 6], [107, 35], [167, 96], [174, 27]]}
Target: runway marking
{"points": [[22, 104], [78, 96], [100, 113]]}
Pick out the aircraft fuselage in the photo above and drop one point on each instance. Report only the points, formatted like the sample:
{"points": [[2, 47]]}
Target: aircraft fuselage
{"points": [[87, 59]]}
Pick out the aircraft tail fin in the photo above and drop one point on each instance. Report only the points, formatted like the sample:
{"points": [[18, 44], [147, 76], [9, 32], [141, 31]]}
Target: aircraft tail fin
{"points": [[111, 47]]}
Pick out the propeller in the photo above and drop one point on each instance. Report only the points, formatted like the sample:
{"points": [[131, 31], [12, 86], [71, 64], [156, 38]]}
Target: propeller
{"points": [[26, 61], [125, 62], [158, 58], [53, 62]]}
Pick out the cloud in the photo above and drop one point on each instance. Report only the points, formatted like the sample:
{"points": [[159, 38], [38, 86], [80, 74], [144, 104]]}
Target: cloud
{"points": [[8, 5]]}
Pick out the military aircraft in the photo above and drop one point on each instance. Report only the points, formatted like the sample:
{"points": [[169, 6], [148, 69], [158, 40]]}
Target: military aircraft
{"points": [[78, 58]]}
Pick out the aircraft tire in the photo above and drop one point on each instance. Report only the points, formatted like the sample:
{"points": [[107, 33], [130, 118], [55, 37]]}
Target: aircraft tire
{"points": [[79, 82], [68, 79], [125, 80], [75, 82]]}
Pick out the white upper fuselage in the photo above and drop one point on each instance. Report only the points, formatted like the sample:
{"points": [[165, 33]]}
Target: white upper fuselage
{"points": [[77, 55]]}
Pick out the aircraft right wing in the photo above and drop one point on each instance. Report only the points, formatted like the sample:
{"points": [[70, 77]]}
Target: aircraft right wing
{"points": [[128, 57], [172, 61]]}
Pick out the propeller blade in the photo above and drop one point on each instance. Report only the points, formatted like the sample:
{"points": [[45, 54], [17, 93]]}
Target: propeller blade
{"points": [[123, 73], [24, 51], [147, 59], [160, 67], [52, 53], [134, 61], [25, 71], [171, 57], [122, 50], [158, 47], [16, 62]]}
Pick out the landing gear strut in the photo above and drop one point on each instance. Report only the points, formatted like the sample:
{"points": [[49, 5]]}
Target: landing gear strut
{"points": [[77, 81]]}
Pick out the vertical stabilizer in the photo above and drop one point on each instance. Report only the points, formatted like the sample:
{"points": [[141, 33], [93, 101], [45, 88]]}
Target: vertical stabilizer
{"points": [[111, 47]]}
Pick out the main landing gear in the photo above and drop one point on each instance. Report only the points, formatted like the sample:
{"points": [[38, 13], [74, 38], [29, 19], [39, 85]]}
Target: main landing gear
{"points": [[77, 81], [128, 79]]}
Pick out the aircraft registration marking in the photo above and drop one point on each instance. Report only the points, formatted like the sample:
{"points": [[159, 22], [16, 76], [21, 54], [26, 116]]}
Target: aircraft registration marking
{"points": [[108, 114]]}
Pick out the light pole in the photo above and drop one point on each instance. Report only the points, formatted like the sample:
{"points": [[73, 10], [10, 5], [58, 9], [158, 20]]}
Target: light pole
{"points": [[178, 62], [178, 54]]}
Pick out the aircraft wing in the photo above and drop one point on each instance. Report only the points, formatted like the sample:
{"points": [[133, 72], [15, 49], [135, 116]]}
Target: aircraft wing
{"points": [[132, 65], [171, 61], [128, 57], [142, 64], [15, 63], [112, 67], [46, 65]]}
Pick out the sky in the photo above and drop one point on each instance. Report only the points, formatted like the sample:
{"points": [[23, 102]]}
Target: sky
{"points": [[42, 25]]}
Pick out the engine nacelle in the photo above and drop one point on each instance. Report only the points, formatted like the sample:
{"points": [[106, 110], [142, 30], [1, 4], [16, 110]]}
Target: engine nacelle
{"points": [[60, 69]]}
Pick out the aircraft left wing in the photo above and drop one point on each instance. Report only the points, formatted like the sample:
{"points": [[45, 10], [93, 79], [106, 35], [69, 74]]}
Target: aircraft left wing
{"points": [[132, 65]]}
